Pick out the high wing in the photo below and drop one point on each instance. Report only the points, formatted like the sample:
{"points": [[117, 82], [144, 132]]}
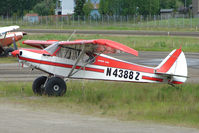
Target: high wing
{"points": [[3, 30], [94, 46]]}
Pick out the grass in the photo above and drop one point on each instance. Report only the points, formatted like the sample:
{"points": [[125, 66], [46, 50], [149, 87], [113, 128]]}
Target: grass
{"points": [[140, 43], [171, 24], [125, 101], [143, 27], [7, 60]]}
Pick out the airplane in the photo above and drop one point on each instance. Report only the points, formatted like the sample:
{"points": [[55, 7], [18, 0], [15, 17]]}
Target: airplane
{"points": [[6, 39], [89, 59]]}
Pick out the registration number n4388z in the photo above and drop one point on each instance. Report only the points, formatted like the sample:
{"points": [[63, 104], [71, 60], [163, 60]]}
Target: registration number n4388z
{"points": [[120, 73]]}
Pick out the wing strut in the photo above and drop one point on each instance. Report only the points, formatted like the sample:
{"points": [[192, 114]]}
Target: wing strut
{"points": [[77, 61], [72, 73]]}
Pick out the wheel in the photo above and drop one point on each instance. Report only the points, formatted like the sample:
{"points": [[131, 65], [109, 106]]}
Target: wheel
{"points": [[55, 87], [1, 52], [38, 85], [7, 51]]}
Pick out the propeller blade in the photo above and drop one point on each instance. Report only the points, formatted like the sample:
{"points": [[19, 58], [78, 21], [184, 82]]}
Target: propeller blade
{"points": [[15, 45]]}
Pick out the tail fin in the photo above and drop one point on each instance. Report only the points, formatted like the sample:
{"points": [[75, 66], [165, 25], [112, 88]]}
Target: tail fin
{"points": [[174, 67]]}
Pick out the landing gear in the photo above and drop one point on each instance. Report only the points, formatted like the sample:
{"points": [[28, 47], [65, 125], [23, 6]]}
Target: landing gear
{"points": [[8, 51], [53, 86], [5, 52], [38, 85]]}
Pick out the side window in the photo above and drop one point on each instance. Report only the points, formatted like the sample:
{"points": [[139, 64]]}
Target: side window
{"points": [[73, 54], [90, 57], [68, 53]]}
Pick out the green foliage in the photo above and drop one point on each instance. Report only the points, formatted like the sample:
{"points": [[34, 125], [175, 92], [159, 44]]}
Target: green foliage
{"points": [[188, 2], [17, 7], [107, 7], [79, 4], [88, 6], [165, 4], [129, 7], [44, 8], [21, 7], [132, 7]]}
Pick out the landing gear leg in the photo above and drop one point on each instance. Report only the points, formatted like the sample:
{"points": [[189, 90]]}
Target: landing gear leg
{"points": [[177, 87]]}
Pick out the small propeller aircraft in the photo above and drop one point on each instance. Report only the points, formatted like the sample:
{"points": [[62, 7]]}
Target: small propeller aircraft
{"points": [[6, 39], [88, 59]]}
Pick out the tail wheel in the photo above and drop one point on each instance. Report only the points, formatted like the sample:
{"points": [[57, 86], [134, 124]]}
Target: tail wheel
{"points": [[38, 85], [55, 87]]}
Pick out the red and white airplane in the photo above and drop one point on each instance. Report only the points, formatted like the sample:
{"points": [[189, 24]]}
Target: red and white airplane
{"points": [[87, 59], [6, 39]]}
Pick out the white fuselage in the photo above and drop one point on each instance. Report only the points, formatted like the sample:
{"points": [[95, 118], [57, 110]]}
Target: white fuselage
{"points": [[104, 68]]}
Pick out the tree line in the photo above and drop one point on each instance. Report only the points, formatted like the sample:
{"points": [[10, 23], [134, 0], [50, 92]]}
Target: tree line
{"points": [[21, 7], [135, 7], [84, 7]]}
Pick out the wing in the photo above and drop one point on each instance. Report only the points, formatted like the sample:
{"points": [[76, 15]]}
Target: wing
{"points": [[3, 30], [94, 46]]}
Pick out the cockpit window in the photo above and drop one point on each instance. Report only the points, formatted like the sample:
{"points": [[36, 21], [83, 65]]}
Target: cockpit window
{"points": [[73, 54]]}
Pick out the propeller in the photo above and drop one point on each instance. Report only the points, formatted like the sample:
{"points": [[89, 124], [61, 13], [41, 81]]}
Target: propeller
{"points": [[14, 43], [15, 53]]}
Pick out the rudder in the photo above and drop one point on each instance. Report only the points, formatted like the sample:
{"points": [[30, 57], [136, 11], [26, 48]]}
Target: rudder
{"points": [[174, 66]]}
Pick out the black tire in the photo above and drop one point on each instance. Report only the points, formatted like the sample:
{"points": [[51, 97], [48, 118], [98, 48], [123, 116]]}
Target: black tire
{"points": [[7, 51], [1, 51], [38, 85], [55, 87]]}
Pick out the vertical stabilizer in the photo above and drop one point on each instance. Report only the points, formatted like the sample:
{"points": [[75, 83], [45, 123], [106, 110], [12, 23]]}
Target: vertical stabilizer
{"points": [[174, 66]]}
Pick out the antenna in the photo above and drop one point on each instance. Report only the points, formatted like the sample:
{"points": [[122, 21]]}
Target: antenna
{"points": [[71, 35]]}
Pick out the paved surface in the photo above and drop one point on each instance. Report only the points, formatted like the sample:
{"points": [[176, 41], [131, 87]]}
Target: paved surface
{"points": [[12, 72], [17, 119], [113, 32]]}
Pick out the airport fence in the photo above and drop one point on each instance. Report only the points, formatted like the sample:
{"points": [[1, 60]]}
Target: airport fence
{"points": [[137, 21]]}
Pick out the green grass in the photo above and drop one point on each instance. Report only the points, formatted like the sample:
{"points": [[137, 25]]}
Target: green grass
{"points": [[171, 24], [140, 43], [144, 27], [125, 101], [7, 60]]}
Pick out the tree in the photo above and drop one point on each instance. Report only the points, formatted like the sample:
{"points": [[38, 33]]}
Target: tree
{"points": [[165, 4], [16, 7], [41, 9], [188, 2], [88, 6], [149, 7], [129, 7], [79, 4], [103, 7]]}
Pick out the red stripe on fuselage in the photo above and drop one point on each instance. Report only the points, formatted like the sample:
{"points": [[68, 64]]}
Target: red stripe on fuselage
{"points": [[176, 82], [152, 78], [169, 63], [122, 65], [60, 64]]}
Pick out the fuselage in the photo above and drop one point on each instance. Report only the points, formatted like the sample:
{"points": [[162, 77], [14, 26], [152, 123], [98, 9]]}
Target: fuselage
{"points": [[104, 67], [8, 39]]}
